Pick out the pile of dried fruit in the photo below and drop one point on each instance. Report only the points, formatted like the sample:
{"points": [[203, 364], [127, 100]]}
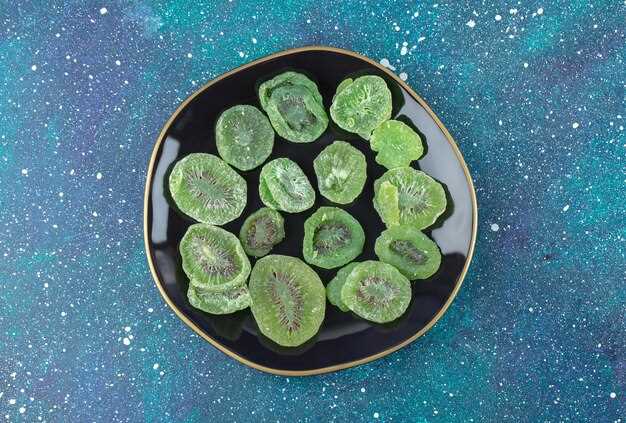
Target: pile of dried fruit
{"points": [[287, 297]]}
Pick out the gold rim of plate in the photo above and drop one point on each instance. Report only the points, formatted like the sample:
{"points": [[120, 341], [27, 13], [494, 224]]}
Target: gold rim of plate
{"points": [[336, 367]]}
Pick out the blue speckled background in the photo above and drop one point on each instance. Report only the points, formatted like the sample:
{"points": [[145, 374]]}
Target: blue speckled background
{"points": [[533, 92]]}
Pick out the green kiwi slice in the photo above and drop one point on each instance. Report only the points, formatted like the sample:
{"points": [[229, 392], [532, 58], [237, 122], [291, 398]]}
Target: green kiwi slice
{"points": [[397, 144], [244, 136], [376, 291], [409, 250], [362, 105], [284, 186], [332, 238], [333, 289], [219, 301], [213, 257], [420, 199], [288, 299], [207, 189], [341, 172], [261, 231], [294, 106]]}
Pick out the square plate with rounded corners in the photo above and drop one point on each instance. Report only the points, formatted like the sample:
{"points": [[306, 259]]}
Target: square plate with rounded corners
{"points": [[344, 340]]}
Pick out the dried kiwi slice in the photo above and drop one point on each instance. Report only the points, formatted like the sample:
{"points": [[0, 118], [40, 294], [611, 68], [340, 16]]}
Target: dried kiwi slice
{"points": [[376, 291], [204, 187], [288, 299], [284, 186], [261, 231], [294, 106], [420, 201], [341, 172], [362, 105], [409, 250], [332, 238], [219, 301], [333, 289], [397, 144], [213, 257], [244, 136]]}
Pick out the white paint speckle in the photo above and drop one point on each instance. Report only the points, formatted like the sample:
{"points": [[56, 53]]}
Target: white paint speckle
{"points": [[385, 63], [22, 410], [531, 309], [24, 172], [513, 11], [63, 314], [34, 67], [98, 175], [126, 341], [155, 366], [103, 11], [540, 11], [525, 64], [566, 208], [94, 214], [189, 55], [495, 227], [241, 54], [403, 51], [498, 18], [376, 415], [362, 389], [471, 23], [403, 76], [613, 395], [127, 329], [254, 41], [575, 125], [118, 63]]}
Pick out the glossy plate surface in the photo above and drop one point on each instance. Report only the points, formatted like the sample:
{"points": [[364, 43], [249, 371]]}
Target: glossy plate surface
{"points": [[344, 340]]}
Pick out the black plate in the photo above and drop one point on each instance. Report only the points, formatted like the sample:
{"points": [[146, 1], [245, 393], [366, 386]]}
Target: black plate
{"points": [[344, 340]]}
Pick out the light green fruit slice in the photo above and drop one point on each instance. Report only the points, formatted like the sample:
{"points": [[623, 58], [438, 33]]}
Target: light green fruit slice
{"points": [[284, 186], [332, 238], [288, 299], [409, 250], [261, 231], [213, 257], [333, 289], [207, 189], [294, 106], [224, 301], [397, 144], [376, 291], [421, 199], [341, 172], [244, 137], [361, 106]]}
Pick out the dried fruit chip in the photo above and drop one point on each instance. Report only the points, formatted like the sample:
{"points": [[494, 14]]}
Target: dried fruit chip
{"points": [[341, 172], [219, 301], [294, 106], [288, 299], [244, 137], [361, 106], [333, 289], [261, 231], [213, 257], [284, 186], [409, 250], [204, 187], [332, 238], [376, 291], [396, 143], [420, 201]]}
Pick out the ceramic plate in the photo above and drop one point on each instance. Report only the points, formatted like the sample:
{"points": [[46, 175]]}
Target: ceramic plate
{"points": [[344, 340]]}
